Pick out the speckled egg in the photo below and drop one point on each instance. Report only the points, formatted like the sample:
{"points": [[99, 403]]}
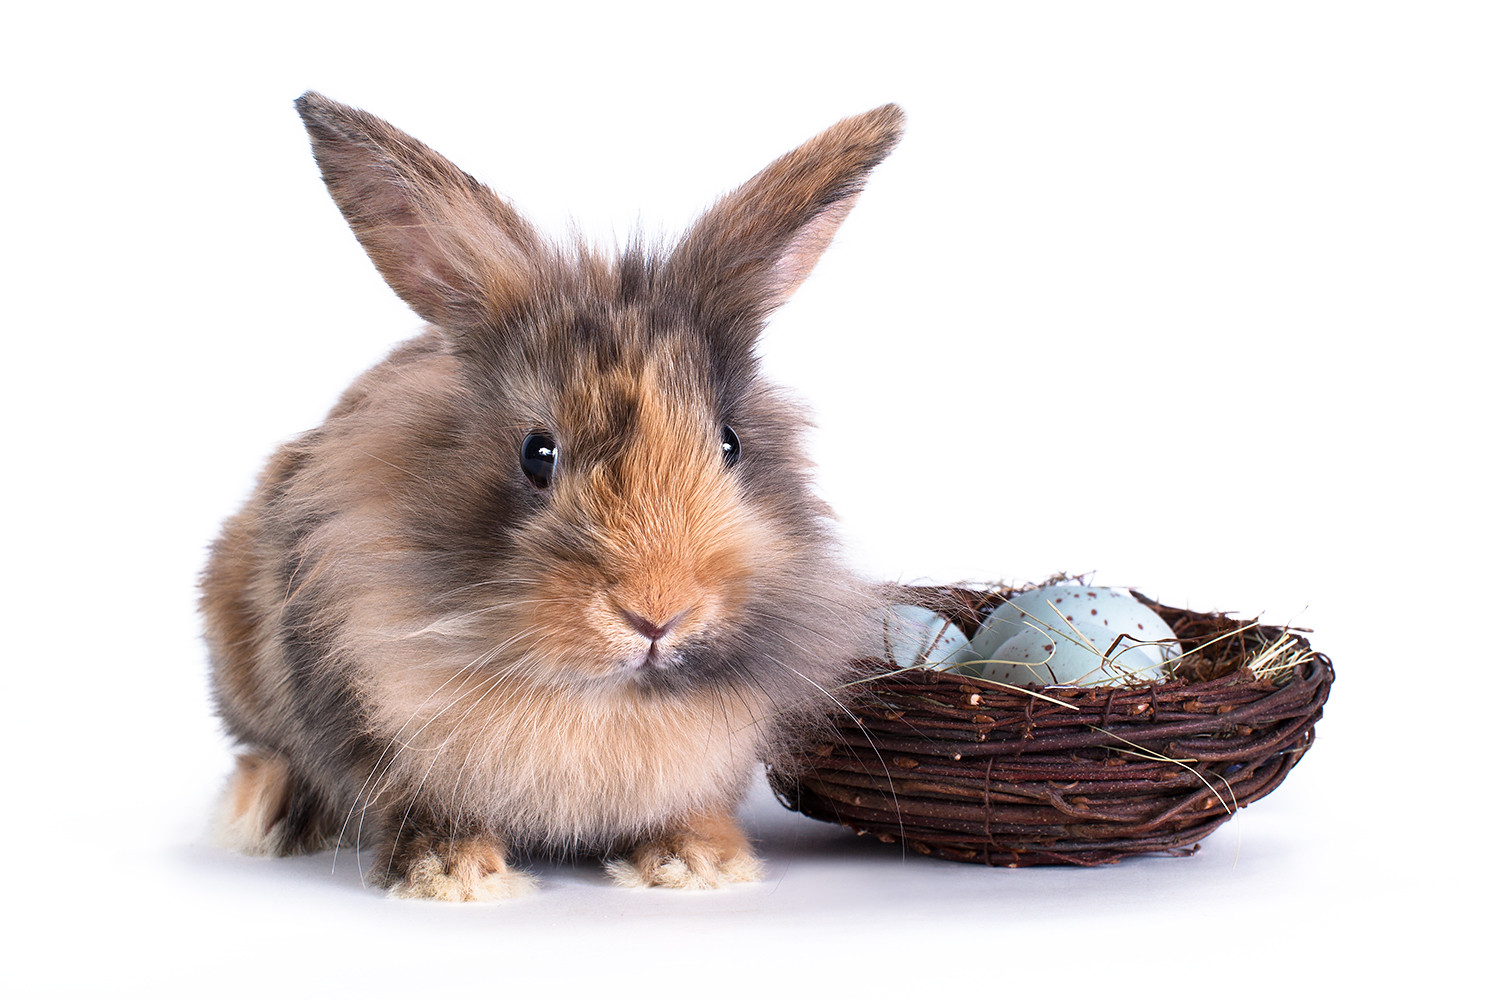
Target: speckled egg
{"points": [[1061, 635], [915, 635]]}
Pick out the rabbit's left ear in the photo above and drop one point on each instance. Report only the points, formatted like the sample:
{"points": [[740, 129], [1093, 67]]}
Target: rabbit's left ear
{"points": [[445, 243], [749, 252]]}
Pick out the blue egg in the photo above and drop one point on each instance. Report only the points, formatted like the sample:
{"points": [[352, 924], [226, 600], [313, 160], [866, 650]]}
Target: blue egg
{"points": [[1073, 635], [914, 636]]}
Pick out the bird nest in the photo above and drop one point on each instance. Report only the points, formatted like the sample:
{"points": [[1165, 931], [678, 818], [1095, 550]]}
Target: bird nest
{"points": [[971, 770]]}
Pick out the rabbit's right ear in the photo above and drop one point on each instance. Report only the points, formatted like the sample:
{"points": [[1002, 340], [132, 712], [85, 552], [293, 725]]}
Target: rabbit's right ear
{"points": [[453, 250]]}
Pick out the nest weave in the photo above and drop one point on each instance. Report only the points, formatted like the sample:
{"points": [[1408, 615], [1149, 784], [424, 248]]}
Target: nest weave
{"points": [[970, 771]]}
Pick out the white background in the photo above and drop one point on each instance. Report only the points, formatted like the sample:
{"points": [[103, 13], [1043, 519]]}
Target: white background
{"points": [[1200, 298]]}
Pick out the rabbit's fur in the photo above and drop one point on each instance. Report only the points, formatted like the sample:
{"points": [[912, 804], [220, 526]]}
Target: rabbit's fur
{"points": [[423, 651]]}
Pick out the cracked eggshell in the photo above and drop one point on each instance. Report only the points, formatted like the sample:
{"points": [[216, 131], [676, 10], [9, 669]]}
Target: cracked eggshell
{"points": [[914, 635], [1036, 629]]}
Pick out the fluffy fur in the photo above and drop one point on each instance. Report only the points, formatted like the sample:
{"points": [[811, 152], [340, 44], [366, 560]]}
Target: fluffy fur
{"points": [[421, 650]]}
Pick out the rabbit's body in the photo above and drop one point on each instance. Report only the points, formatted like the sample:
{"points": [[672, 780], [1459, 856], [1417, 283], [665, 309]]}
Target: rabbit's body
{"points": [[522, 588]]}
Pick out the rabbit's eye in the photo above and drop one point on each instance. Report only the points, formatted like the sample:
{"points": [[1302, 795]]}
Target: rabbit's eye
{"points": [[729, 444], [539, 459]]}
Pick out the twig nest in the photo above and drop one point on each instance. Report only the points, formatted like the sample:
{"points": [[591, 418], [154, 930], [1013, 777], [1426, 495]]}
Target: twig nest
{"points": [[1072, 635], [1006, 774]]}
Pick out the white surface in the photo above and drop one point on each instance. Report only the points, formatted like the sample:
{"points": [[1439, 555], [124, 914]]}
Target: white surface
{"points": [[1290, 209]]}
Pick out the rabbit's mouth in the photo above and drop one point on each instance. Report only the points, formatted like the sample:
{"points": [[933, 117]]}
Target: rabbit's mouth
{"points": [[661, 638], [679, 660], [653, 658]]}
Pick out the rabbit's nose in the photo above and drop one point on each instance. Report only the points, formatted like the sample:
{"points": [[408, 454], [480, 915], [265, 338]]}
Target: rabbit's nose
{"points": [[651, 630]]}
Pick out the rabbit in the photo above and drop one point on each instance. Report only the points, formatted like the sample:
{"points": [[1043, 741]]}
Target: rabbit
{"points": [[551, 577]]}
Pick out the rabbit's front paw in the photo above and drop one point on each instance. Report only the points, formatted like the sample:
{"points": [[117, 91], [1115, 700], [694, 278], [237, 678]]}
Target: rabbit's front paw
{"points": [[709, 853], [460, 870]]}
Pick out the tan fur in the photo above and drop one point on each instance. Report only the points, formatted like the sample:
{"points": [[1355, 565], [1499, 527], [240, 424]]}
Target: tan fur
{"points": [[252, 803], [468, 870], [570, 770], [237, 590], [254, 806], [228, 590], [706, 852]]}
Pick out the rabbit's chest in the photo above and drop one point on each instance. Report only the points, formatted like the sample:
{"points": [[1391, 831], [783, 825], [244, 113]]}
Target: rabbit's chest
{"points": [[588, 771]]}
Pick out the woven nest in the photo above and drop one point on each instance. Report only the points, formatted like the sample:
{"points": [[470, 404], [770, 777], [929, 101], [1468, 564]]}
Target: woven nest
{"points": [[968, 770]]}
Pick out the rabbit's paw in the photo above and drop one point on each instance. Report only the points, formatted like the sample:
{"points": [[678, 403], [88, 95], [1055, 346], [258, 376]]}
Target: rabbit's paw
{"points": [[465, 870], [710, 853], [266, 809]]}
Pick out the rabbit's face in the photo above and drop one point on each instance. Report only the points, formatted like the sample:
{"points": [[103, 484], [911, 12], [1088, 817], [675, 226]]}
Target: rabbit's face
{"points": [[638, 546], [637, 458]]}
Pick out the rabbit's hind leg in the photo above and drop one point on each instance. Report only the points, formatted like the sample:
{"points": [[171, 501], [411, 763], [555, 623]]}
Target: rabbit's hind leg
{"points": [[267, 810]]}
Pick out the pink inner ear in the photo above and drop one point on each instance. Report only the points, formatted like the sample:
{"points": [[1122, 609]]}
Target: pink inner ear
{"points": [[449, 247], [448, 253], [797, 260]]}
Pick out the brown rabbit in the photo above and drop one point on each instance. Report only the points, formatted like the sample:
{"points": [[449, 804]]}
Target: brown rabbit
{"points": [[550, 576]]}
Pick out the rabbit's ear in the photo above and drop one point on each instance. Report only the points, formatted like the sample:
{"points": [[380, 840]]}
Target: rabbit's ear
{"points": [[445, 243], [751, 250]]}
